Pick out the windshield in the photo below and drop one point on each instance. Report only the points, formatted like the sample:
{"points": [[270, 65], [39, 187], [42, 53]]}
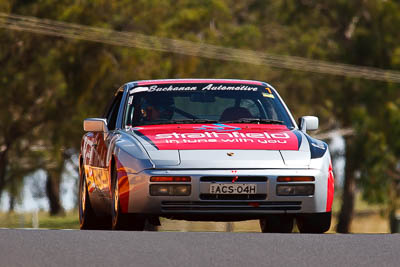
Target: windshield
{"points": [[202, 103]]}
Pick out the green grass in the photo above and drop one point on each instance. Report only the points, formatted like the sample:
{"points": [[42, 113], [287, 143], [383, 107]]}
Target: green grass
{"points": [[25, 220]]}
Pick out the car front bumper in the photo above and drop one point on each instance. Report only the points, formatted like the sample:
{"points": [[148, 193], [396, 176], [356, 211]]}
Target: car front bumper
{"points": [[200, 202]]}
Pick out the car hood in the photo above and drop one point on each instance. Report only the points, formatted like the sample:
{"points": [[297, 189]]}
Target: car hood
{"points": [[223, 145]]}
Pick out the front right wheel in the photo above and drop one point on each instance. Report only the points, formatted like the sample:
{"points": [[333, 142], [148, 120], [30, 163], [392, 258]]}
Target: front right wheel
{"points": [[314, 223], [120, 220]]}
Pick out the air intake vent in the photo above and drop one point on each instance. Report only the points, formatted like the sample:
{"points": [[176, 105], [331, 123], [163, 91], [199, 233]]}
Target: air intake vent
{"points": [[233, 196], [213, 206]]}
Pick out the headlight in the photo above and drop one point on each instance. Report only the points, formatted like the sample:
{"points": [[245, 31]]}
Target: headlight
{"points": [[170, 190], [295, 190]]}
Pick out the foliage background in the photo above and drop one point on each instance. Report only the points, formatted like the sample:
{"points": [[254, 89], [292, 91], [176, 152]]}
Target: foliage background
{"points": [[48, 85]]}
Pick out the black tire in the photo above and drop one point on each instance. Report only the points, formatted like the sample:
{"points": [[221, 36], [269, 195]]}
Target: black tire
{"points": [[314, 223], [150, 227], [123, 221], [87, 217], [281, 223]]}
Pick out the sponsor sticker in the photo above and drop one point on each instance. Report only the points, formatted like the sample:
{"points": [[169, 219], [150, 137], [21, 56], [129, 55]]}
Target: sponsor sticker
{"points": [[320, 146], [139, 89], [156, 88], [199, 87], [212, 87], [219, 127], [268, 95], [273, 137]]}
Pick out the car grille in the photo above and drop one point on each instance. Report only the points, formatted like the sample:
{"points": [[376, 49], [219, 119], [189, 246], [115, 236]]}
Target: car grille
{"points": [[229, 205], [233, 196]]}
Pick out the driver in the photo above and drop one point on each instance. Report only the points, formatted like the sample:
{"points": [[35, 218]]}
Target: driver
{"points": [[155, 108]]}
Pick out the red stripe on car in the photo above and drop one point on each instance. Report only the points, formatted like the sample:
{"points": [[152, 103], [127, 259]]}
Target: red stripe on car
{"points": [[331, 188], [198, 81]]}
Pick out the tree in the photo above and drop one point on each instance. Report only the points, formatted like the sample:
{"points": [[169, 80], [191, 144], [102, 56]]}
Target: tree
{"points": [[57, 82]]}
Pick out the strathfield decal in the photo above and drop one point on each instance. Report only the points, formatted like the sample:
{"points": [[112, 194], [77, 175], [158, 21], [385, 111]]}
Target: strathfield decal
{"points": [[241, 136]]}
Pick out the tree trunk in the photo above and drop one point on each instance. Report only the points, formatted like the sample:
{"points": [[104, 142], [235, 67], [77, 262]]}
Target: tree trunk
{"points": [[53, 184], [394, 193], [11, 206], [347, 208], [3, 168]]}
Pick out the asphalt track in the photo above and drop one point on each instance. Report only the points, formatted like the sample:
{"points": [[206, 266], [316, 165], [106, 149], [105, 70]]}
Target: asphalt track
{"points": [[106, 248]]}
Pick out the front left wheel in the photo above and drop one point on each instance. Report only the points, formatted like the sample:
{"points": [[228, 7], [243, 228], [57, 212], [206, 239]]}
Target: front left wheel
{"points": [[279, 223], [120, 220], [87, 217]]}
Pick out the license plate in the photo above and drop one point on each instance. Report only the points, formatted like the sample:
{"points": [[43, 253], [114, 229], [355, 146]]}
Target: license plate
{"points": [[233, 188]]}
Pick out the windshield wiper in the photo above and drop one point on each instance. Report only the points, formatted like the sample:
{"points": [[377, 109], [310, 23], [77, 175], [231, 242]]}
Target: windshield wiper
{"points": [[184, 121], [194, 121], [255, 120]]}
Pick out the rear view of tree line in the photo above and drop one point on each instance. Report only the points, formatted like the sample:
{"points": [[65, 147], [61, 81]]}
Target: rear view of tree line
{"points": [[49, 85]]}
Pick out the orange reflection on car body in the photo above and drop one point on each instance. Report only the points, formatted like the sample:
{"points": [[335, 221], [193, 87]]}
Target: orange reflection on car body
{"points": [[123, 186]]}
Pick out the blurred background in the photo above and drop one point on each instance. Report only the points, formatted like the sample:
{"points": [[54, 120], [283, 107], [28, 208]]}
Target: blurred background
{"points": [[62, 60]]}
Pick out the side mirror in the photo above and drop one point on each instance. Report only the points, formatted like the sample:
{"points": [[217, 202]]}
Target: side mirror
{"points": [[95, 125], [308, 123]]}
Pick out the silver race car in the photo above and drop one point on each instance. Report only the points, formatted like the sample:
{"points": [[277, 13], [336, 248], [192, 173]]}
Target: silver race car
{"points": [[203, 150]]}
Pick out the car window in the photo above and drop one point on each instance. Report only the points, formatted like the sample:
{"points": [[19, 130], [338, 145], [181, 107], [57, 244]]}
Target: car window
{"points": [[191, 102], [112, 113], [201, 110], [252, 107]]}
